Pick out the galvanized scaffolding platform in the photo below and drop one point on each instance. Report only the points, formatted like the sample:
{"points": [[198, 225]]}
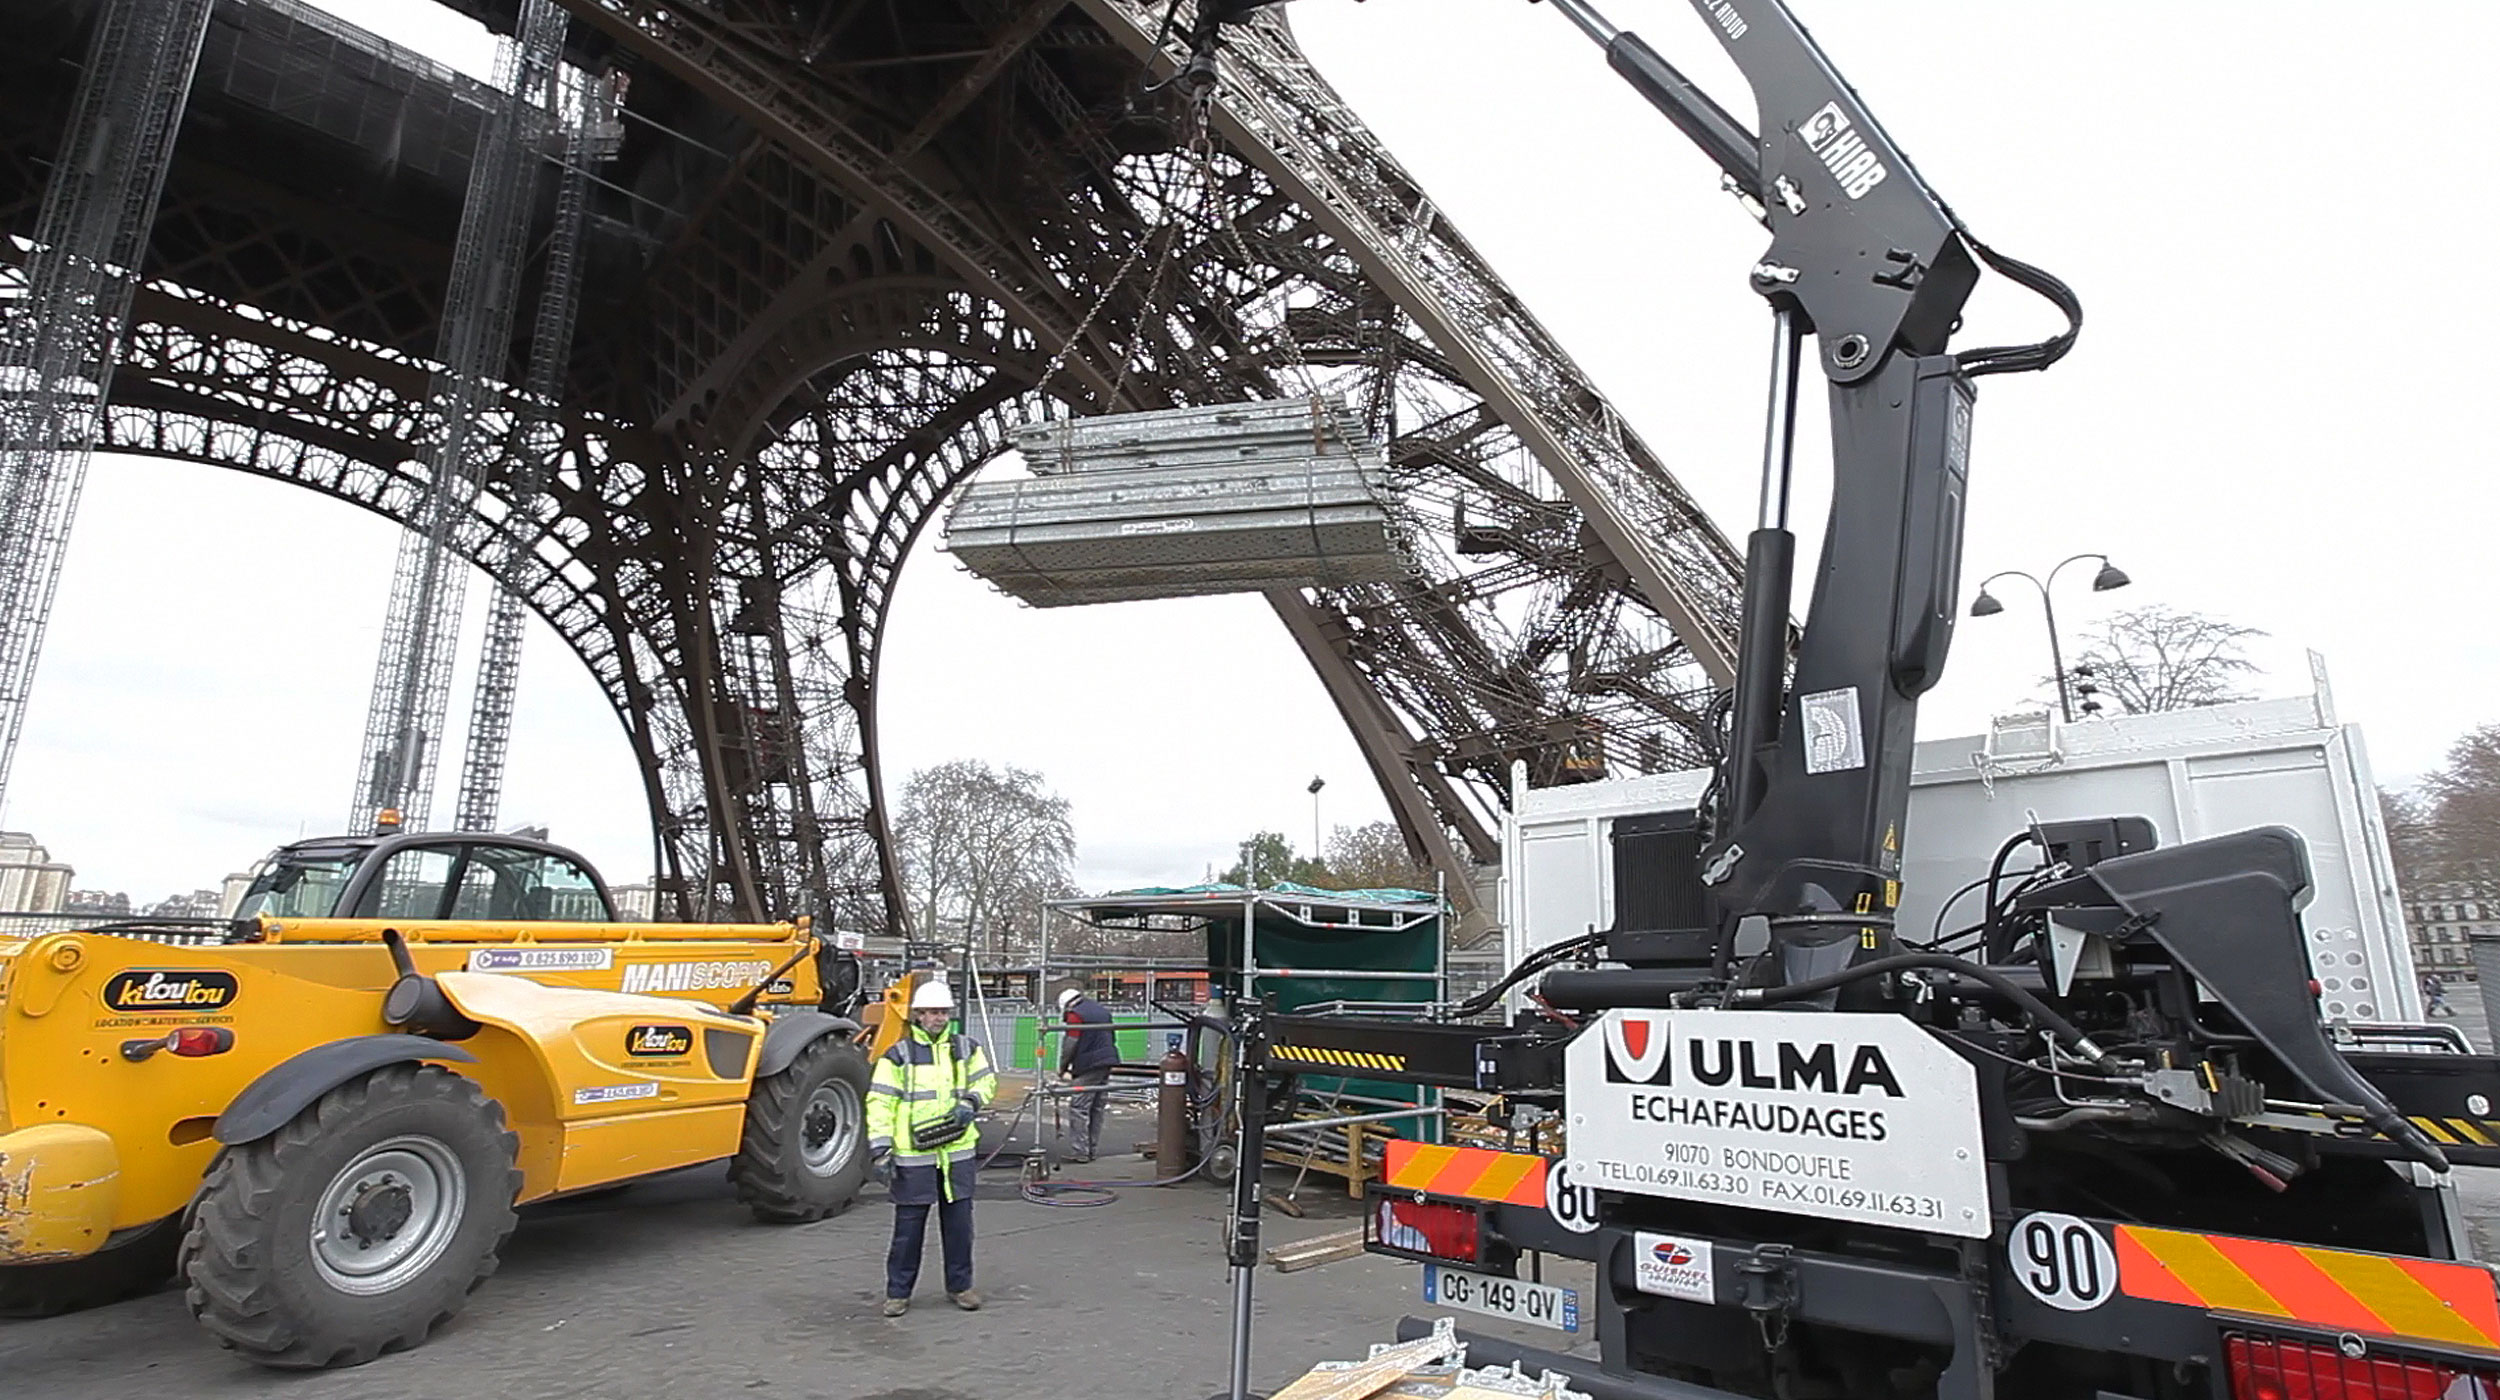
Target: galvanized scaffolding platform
{"points": [[1182, 503]]}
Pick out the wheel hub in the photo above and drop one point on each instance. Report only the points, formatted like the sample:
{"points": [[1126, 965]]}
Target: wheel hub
{"points": [[379, 1209], [388, 1215], [830, 1127]]}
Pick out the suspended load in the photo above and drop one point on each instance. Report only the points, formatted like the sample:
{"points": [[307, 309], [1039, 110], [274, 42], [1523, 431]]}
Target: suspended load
{"points": [[1184, 502]]}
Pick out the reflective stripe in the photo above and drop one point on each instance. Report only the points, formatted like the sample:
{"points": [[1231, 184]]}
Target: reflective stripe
{"points": [[899, 1079], [1475, 1172], [2427, 1299]]}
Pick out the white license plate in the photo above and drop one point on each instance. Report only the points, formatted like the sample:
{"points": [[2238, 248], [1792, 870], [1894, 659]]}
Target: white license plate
{"points": [[1538, 1304]]}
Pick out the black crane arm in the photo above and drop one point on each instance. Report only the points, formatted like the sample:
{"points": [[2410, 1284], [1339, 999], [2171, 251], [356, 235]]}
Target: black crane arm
{"points": [[1866, 259]]}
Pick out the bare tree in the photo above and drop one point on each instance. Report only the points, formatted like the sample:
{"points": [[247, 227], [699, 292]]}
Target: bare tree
{"points": [[2412, 836], [2462, 800], [1374, 856], [2159, 658], [981, 849]]}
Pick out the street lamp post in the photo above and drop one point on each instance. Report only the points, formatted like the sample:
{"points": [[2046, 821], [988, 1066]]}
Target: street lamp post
{"points": [[1316, 785], [1986, 605]]}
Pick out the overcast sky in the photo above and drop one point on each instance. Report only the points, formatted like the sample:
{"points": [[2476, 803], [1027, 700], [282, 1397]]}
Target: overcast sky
{"points": [[2277, 216]]}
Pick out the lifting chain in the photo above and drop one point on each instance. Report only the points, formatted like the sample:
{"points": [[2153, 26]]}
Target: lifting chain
{"points": [[1167, 231]]}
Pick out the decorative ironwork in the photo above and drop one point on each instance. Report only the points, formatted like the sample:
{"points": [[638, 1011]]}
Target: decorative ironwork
{"points": [[830, 267]]}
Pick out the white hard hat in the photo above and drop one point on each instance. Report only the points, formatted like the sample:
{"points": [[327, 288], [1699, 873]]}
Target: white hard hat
{"points": [[1067, 997], [933, 996]]}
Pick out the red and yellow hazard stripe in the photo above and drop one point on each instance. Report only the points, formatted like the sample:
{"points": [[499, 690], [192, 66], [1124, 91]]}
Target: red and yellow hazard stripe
{"points": [[2380, 1294], [1474, 1173]]}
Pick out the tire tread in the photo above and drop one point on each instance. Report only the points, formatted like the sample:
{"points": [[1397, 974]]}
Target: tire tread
{"points": [[230, 1286], [765, 1171]]}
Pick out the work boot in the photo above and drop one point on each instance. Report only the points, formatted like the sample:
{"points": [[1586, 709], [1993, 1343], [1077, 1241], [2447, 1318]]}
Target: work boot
{"points": [[967, 1300], [895, 1307]]}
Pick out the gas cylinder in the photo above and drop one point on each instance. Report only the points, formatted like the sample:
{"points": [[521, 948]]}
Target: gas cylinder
{"points": [[1172, 1113]]}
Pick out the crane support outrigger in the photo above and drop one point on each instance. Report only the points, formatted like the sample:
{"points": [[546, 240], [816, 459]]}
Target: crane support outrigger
{"points": [[2099, 1144]]}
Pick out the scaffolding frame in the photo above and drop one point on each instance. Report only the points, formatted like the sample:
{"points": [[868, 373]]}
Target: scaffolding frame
{"points": [[593, 131], [412, 673], [62, 339]]}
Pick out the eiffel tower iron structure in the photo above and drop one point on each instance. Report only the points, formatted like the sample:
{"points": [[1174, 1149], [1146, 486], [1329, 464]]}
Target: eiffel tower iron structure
{"points": [[825, 273]]}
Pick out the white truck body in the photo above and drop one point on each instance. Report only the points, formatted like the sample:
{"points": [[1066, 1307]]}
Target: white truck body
{"points": [[2194, 773]]}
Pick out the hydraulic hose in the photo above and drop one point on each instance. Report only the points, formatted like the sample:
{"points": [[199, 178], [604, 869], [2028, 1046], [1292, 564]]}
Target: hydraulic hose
{"points": [[1995, 981], [1529, 966], [1992, 919]]}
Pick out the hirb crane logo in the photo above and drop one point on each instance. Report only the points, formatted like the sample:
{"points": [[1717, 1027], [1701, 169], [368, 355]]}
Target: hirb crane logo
{"points": [[1844, 152]]}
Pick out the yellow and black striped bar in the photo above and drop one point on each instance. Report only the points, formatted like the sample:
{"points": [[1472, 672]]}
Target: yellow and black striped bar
{"points": [[1406, 1052], [1336, 1059], [2453, 1099]]}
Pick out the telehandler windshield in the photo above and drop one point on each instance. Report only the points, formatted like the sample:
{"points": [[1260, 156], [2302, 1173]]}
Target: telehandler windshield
{"points": [[299, 884]]}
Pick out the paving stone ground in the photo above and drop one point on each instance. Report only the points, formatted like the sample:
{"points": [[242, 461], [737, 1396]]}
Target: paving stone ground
{"points": [[668, 1289]]}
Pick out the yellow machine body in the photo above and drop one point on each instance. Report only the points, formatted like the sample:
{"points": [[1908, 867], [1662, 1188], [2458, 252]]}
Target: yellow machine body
{"points": [[890, 1015], [105, 1125]]}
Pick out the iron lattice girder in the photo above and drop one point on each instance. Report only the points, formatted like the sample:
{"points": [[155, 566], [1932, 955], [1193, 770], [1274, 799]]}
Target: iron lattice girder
{"points": [[860, 235], [743, 57]]}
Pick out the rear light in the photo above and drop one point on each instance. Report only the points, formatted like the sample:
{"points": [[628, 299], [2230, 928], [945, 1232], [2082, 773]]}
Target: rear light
{"points": [[195, 1041], [1439, 1229], [191, 1042], [2283, 1368]]}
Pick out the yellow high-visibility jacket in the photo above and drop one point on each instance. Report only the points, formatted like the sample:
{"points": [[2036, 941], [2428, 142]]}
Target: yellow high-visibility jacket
{"points": [[917, 1081]]}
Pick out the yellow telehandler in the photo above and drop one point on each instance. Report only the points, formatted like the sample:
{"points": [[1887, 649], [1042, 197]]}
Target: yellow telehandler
{"points": [[324, 1111]]}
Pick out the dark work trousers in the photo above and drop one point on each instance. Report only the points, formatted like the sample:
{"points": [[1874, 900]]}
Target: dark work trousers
{"points": [[1085, 1113], [915, 1192]]}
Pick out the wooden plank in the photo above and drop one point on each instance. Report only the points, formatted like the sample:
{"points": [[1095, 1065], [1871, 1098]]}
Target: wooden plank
{"points": [[1317, 1250], [1369, 1378]]}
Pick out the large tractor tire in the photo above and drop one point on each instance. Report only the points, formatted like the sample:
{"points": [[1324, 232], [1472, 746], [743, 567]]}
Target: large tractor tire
{"points": [[359, 1227], [804, 1154], [139, 1262]]}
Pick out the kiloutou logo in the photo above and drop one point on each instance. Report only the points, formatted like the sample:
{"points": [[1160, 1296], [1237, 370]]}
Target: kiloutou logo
{"points": [[165, 989], [651, 1041]]}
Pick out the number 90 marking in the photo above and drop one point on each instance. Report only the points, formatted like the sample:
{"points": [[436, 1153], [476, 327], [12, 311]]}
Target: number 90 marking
{"points": [[2062, 1261]]}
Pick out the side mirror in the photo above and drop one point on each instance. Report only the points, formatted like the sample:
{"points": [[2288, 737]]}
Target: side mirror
{"points": [[416, 1003]]}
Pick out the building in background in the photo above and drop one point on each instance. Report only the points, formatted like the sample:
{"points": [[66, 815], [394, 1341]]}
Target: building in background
{"points": [[237, 885], [31, 881], [98, 904], [634, 902], [2444, 912], [198, 904]]}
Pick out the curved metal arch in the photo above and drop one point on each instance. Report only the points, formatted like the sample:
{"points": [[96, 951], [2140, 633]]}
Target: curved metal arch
{"points": [[190, 392], [856, 466], [1549, 629], [267, 407]]}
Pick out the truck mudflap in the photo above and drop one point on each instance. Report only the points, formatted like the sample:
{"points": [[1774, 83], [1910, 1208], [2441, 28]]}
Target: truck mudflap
{"points": [[59, 1186]]}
